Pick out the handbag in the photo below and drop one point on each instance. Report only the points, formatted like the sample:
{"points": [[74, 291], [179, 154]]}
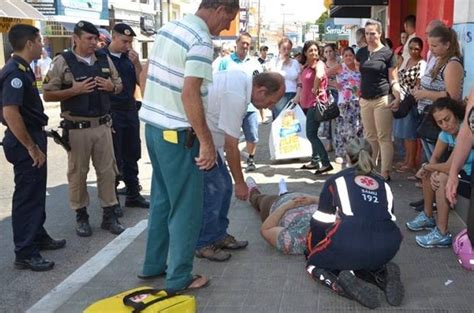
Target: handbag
{"points": [[326, 111], [428, 129], [406, 105], [146, 300]]}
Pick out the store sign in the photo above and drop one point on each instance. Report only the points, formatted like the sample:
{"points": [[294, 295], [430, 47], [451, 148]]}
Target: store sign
{"points": [[333, 32], [6, 23], [95, 9], [466, 40], [45, 7]]}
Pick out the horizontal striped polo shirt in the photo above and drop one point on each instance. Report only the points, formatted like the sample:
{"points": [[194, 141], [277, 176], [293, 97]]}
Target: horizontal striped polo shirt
{"points": [[182, 49]]}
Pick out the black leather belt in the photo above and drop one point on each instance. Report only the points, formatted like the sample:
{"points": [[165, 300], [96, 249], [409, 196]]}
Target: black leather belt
{"points": [[84, 124]]}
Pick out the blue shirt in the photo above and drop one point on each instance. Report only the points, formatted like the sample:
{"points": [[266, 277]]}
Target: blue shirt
{"points": [[125, 100], [18, 87], [450, 140]]}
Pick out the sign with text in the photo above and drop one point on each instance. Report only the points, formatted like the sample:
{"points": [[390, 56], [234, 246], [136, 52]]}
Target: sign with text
{"points": [[45, 7]]}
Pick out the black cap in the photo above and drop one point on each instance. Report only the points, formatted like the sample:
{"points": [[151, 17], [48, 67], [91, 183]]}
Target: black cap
{"points": [[124, 29], [87, 27]]}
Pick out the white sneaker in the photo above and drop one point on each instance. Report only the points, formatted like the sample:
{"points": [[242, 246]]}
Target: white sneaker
{"points": [[251, 184], [339, 160]]}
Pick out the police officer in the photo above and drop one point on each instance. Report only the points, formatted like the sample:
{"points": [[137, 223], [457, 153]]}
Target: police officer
{"points": [[354, 230], [25, 147], [124, 112], [82, 80]]}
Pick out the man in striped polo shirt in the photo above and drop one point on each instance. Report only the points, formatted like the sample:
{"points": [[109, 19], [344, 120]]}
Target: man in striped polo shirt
{"points": [[178, 71]]}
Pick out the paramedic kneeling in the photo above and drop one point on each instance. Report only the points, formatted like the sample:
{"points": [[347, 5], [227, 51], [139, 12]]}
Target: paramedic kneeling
{"points": [[354, 231]]}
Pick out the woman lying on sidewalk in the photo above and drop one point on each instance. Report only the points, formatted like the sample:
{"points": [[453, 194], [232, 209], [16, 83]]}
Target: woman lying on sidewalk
{"points": [[353, 234], [448, 114], [285, 216]]}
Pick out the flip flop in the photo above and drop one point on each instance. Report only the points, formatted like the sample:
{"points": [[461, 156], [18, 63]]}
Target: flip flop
{"points": [[189, 287], [413, 178]]}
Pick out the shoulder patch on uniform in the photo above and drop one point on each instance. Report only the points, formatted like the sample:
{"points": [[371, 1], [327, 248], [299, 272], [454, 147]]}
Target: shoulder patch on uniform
{"points": [[366, 182], [16, 83], [22, 67]]}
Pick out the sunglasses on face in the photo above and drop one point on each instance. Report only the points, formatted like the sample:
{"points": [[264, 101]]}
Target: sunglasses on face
{"points": [[414, 48]]}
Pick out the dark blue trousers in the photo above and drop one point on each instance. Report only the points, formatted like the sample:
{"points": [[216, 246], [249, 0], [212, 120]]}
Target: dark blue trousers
{"points": [[29, 197], [127, 146]]}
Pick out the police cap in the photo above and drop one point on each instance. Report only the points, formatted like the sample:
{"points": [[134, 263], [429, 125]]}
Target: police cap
{"points": [[124, 29], [87, 27]]}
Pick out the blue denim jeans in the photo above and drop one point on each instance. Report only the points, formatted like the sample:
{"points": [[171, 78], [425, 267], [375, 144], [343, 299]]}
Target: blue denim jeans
{"points": [[312, 126], [217, 196]]}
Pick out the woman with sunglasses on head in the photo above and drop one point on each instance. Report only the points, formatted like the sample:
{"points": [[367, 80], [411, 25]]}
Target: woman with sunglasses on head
{"points": [[378, 75], [409, 75]]}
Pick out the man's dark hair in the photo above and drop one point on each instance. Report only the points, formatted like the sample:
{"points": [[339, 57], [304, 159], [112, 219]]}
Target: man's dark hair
{"points": [[243, 34], [19, 34], [263, 48], [410, 20], [270, 80], [230, 5]]}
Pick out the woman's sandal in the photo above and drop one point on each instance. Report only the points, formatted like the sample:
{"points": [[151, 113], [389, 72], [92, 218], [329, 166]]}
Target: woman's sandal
{"points": [[310, 166], [198, 282], [406, 169]]}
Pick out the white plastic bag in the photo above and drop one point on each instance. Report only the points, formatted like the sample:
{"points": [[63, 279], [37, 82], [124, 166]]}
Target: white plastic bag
{"points": [[288, 134]]}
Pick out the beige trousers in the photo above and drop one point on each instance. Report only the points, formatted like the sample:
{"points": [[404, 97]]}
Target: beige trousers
{"points": [[377, 120], [91, 143]]}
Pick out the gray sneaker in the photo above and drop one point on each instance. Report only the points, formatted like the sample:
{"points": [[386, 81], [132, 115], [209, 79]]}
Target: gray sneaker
{"points": [[421, 222], [435, 239]]}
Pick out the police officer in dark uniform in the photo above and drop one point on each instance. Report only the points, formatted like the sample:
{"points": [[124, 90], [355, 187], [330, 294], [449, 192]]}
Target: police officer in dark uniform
{"points": [[124, 112], [25, 147], [354, 230], [83, 80]]}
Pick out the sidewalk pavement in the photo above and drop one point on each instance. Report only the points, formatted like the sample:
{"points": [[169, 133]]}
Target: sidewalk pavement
{"points": [[261, 279]]}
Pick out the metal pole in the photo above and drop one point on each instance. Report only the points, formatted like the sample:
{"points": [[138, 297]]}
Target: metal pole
{"points": [[283, 23]]}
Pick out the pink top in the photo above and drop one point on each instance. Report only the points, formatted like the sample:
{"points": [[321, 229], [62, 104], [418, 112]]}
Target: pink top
{"points": [[307, 98]]}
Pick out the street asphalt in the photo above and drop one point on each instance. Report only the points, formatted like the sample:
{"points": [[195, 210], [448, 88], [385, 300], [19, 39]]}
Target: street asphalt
{"points": [[256, 279]]}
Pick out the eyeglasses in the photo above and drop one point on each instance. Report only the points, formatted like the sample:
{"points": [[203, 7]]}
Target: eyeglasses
{"points": [[414, 48], [371, 34]]}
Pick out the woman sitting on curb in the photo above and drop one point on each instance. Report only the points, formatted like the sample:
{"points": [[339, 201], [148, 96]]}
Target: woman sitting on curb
{"points": [[448, 114], [285, 216], [353, 232]]}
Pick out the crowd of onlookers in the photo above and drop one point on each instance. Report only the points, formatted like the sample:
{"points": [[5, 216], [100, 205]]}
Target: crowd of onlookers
{"points": [[387, 96]]}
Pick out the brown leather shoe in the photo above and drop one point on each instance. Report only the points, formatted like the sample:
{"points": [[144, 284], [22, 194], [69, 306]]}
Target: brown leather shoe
{"points": [[229, 242], [213, 254]]}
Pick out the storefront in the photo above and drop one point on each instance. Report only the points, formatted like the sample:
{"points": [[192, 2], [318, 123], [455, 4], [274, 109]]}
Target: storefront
{"points": [[17, 12], [62, 15], [142, 22]]}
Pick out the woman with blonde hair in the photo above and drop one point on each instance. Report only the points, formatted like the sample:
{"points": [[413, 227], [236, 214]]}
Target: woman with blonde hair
{"points": [[445, 79], [289, 68], [353, 236]]}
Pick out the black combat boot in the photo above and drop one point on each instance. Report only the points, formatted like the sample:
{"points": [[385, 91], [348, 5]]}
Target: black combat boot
{"points": [[110, 221], [135, 199], [83, 229]]}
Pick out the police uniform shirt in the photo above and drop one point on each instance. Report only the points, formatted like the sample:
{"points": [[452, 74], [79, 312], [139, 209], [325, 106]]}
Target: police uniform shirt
{"points": [[18, 87], [59, 73], [125, 99]]}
